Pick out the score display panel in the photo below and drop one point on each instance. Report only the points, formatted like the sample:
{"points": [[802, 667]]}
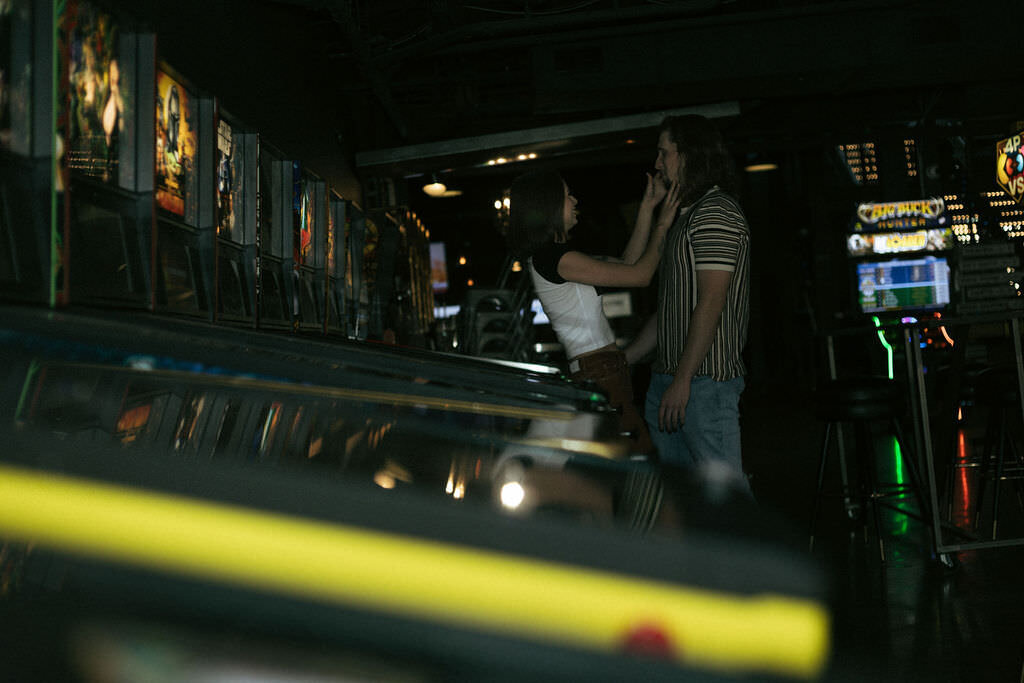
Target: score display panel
{"points": [[920, 283]]}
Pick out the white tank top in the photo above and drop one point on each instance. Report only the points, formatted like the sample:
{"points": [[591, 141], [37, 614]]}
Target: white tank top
{"points": [[575, 313]]}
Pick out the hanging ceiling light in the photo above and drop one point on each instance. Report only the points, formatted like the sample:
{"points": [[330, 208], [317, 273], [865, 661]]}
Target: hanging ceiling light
{"points": [[435, 188]]}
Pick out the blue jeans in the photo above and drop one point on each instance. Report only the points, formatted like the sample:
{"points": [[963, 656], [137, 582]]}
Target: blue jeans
{"points": [[710, 436]]}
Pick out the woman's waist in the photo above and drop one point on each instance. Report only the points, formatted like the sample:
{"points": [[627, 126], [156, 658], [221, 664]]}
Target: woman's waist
{"points": [[605, 356]]}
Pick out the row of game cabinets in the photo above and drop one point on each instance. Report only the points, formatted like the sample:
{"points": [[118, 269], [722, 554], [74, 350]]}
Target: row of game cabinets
{"points": [[122, 185]]}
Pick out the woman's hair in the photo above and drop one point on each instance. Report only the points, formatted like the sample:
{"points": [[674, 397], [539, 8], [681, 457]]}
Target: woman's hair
{"points": [[537, 200], [702, 153]]}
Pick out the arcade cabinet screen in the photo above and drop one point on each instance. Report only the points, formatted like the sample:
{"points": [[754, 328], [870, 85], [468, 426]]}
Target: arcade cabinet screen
{"points": [[230, 183], [302, 212], [438, 267], [95, 104], [176, 144], [920, 284]]}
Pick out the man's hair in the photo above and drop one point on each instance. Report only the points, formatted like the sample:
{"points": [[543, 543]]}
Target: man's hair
{"points": [[705, 160], [536, 207]]}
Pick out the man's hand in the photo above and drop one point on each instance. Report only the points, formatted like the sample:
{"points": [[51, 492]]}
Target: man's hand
{"points": [[672, 411]]}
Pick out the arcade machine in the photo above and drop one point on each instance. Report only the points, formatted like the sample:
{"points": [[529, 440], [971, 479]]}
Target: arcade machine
{"points": [[901, 255], [356, 228], [307, 260], [29, 181], [992, 224], [379, 266], [237, 197], [105, 120], [184, 197], [411, 308], [274, 239], [336, 292]]}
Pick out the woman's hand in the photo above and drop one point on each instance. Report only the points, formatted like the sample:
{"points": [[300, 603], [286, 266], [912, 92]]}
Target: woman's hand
{"points": [[669, 207], [655, 190]]}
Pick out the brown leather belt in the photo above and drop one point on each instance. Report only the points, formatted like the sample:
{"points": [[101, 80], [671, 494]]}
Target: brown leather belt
{"points": [[600, 361]]}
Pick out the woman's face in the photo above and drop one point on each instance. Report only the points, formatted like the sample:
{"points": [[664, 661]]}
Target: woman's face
{"points": [[568, 210]]}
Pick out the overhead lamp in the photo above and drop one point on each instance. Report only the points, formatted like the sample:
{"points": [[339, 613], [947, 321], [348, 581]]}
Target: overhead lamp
{"points": [[435, 188], [760, 168]]}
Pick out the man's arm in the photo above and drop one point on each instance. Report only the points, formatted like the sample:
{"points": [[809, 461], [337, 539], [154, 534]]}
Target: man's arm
{"points": [[712, 294], [644, 342]]}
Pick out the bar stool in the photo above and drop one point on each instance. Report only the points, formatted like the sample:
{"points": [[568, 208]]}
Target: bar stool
{"points": [[997, 391], [860, 402]]}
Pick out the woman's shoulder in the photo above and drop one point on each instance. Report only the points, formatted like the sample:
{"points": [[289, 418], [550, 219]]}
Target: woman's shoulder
{"points": [[545, 261]]}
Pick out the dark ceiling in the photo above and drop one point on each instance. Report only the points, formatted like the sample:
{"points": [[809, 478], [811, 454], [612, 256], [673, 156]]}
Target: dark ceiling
{"points": [[439, 70], [391, 87]]}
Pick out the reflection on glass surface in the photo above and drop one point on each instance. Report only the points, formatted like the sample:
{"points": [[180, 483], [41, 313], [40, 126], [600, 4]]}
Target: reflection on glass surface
{"points": [[515, 465]]}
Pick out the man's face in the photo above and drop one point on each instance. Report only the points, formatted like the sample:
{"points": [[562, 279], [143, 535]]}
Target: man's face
{"points": [[667, 163]]}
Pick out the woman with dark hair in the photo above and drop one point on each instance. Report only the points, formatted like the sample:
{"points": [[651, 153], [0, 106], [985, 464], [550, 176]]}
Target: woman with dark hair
{"points": [[543, 212]]}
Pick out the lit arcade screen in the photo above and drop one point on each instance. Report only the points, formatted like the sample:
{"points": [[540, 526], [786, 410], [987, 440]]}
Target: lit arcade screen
{"points": [[920, 284], [438, 267]]}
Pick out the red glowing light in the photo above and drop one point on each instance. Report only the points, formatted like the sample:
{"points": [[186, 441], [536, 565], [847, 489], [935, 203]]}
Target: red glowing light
{"points": [[648, 639]]}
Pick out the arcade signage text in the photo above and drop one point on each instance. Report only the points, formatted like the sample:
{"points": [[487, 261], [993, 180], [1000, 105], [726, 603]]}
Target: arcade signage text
{"points": [[913, 214], [1010, 166], [933, 239]]}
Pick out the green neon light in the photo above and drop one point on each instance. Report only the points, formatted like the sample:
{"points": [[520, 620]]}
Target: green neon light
{"points": [[901, 528], [885, 344], [33, 368]]}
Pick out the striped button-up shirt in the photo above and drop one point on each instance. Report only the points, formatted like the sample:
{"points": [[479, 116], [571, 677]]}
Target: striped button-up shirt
{"points": [[712, 234]]}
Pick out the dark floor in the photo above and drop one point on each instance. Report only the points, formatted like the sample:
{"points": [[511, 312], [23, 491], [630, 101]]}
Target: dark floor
{"points": [[911, 618]]}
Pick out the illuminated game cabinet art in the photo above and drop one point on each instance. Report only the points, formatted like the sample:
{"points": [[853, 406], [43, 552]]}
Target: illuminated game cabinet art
{"points": [[1010, 167], [236, 202], [901, 257], [309, 248], [183, 196], [29, 184], [106, 130]]}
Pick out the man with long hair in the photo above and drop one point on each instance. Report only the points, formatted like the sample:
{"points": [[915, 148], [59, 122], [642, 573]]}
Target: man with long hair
{"points": [[692, 406]]}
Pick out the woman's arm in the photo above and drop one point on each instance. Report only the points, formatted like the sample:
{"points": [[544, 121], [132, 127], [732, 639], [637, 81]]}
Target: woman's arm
{"points": [[653, 194], [576, 266]]}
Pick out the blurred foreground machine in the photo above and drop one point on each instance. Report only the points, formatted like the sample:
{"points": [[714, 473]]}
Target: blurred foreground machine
{"points": [[182, 506]]}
